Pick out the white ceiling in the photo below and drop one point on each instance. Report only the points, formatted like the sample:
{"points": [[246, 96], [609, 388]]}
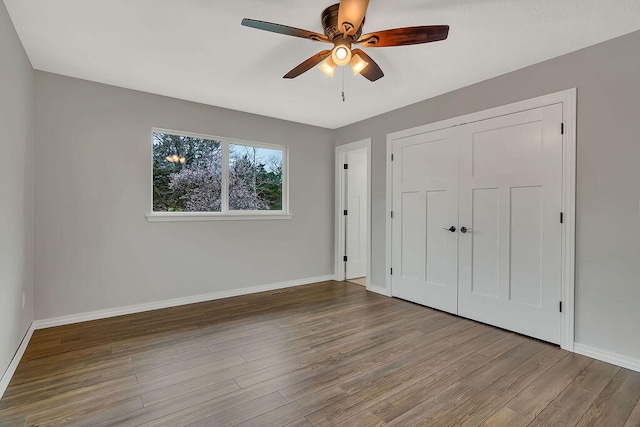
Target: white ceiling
{"points": [[197, 50]]}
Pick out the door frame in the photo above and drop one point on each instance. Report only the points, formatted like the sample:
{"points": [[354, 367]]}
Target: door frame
{"points": [[341, 191], [568, 99]]}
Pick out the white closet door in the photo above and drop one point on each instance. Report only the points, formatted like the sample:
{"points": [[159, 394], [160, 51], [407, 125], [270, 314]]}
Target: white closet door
{"points": [[425, 204], [510, 200]]}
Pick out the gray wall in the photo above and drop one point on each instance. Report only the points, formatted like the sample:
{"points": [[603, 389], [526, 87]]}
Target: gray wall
{"points": [[96, 250], [16, 190], [608, 190]]}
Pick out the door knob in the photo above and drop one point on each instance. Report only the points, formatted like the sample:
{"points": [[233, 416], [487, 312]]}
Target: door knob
{"points": [[464, 229], [451, 229]]}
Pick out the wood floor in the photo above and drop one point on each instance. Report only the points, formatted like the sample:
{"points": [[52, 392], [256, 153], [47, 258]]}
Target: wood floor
{"points": [[323, 354]]}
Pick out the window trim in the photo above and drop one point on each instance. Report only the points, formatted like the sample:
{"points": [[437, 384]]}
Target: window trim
{"points": [[225, 213]]}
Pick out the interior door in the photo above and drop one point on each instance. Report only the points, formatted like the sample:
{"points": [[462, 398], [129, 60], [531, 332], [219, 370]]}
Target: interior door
{"points": [[510, 202], [356, 223], [425, 207]]}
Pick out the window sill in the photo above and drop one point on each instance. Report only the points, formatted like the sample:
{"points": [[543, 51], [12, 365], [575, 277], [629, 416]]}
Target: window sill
{"points": [[200, 216]]}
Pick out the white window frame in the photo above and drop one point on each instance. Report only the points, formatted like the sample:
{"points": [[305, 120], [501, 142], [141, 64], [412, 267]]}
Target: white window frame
{"points": [[225, 213]]}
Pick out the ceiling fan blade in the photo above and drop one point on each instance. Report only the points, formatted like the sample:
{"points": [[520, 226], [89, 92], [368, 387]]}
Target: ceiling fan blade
{"points": [[351, 14], [371, 72], [308, 64], [405, 36], [284, 29]]}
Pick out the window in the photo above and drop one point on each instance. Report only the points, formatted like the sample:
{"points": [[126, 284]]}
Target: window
{"points": [[205, 177]]}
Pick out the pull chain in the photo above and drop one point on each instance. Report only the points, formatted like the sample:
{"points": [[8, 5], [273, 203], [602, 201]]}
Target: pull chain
{"points": [[343, 98]]}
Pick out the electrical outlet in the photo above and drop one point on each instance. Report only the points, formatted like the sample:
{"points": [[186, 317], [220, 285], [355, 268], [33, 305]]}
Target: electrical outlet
{"points": [[24, 299]]}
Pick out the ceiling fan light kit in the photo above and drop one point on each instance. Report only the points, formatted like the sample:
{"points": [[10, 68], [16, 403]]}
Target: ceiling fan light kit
{"points": [[328, 67], [342, 25], [357, 64], [341, 54]]}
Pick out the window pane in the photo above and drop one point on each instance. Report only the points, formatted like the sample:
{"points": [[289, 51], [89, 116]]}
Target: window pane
{"points": [[255, 178], [187, 174]]}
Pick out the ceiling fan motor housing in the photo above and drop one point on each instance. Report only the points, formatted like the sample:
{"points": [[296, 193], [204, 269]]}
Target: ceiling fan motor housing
{"points": [[330, 25]]}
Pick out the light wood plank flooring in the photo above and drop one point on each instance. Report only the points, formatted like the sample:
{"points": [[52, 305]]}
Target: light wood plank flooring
{"points": [[323, 354]]}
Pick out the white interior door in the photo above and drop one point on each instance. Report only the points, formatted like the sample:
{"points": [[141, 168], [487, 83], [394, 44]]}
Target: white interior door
{"points": [[425, 205], [356, 223], [510, 200]]}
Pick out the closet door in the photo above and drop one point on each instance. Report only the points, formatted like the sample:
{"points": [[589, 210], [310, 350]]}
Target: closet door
{"points": [[425, 208], [510, 202]]}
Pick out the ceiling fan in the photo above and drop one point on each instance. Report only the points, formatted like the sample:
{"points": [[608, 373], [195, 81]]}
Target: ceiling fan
{"points": [[342, 25]]}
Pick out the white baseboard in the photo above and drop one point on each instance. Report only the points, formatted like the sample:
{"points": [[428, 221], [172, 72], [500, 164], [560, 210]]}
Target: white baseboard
{"points": [[119, 311], [8, 374], [607, 356]]}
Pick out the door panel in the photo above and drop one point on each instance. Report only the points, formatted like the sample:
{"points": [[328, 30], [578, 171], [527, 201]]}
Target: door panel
{"points": [[436, 240], [425, 177], [486, 222], [428, 160], [412, 244], [526, 245], [510, 199], [508, 150]]}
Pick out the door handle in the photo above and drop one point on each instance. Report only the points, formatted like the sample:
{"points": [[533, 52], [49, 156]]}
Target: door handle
{"points": [[465, 230], [451, 229]]}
